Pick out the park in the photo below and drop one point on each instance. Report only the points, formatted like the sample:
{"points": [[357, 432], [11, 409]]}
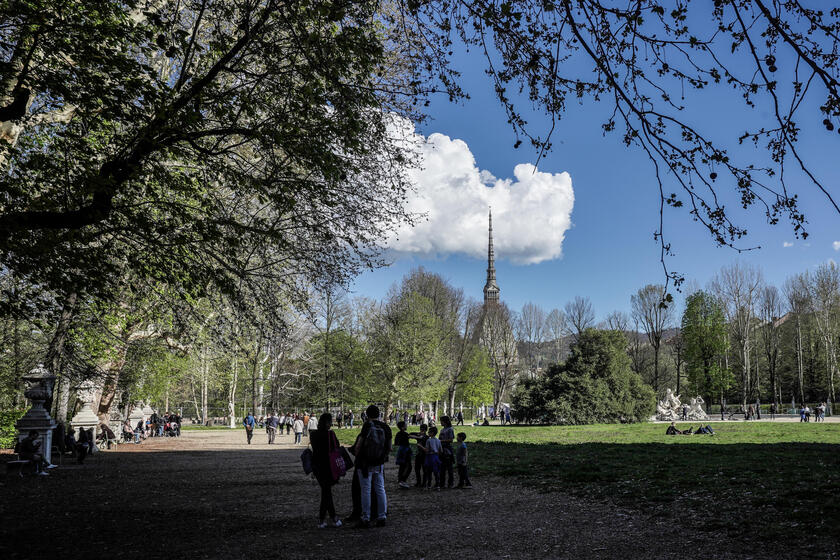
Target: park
{"points": [[539, 492], [273, 275]]}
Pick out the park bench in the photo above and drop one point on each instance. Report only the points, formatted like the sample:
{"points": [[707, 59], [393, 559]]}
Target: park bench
{"points": [[19, 465]]}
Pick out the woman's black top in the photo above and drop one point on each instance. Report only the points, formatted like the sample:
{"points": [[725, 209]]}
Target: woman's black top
{"points": [[320, 442]]}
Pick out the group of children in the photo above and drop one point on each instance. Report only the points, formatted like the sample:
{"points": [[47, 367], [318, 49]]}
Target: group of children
{"points": [[436, 456]]}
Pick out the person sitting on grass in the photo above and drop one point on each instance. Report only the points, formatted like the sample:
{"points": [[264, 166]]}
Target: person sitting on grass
{"points": [[705, 430], [673, 431]]}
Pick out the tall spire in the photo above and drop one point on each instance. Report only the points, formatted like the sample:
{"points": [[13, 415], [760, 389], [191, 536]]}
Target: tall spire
{"points": [[491, 289]]}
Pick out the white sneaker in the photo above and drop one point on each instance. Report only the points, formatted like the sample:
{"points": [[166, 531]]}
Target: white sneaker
{"points": [[322, 525], [336, 522], [52, 466], [43, 473]]}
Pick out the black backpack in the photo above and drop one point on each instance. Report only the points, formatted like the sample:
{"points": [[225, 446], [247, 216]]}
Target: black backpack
{"points": [[374, 448]]}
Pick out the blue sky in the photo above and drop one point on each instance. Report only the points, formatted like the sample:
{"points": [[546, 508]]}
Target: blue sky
{"points": [[609, 251]]}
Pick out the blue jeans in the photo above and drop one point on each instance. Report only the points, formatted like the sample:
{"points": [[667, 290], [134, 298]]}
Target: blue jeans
{"points": [[375, 476], [297, 437]]}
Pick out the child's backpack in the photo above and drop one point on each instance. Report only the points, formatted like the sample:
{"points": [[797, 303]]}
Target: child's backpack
{"points": [[374, 449]]}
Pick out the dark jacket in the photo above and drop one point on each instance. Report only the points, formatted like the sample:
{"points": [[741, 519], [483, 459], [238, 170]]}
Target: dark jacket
{"points": [[322, 441]]}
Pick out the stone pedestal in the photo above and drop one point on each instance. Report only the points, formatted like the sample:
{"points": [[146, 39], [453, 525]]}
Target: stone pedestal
{"points": [[86, 418], [136, 415], [40, 383]]}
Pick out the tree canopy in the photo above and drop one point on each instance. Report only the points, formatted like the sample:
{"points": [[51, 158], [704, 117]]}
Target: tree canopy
{"points": [[596, 384]]}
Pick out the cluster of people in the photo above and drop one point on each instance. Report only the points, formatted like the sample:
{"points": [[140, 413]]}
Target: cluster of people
{"points": [[300, 424], [29, 449], [818, 413], [156, 425], [673, 431], [437, 454], [65, 442]]}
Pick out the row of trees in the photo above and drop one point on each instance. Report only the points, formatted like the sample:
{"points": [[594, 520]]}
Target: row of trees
{"points": [[739, 340]]}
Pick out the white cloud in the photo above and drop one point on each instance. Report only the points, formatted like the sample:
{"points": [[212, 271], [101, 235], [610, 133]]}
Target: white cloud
{"points": [[531, 212], [787, 244], [836, 245]]}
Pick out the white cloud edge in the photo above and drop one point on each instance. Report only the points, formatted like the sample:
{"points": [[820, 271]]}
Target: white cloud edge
{"points": [[531, 211]]}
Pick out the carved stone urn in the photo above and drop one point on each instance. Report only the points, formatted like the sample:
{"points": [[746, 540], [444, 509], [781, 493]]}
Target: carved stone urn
{"points": [[39, 388]]}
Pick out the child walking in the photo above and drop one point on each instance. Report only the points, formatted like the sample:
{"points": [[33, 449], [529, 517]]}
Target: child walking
{"points": [[432, 464], [403, 445], [461, 457], [420, 460]]}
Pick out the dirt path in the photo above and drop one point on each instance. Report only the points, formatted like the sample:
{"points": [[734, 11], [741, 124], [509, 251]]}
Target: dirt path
{"points": [[209, 495]]}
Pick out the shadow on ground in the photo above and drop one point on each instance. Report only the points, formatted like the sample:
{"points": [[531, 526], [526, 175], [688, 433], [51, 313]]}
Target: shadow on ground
{"points": [[171, 500]]}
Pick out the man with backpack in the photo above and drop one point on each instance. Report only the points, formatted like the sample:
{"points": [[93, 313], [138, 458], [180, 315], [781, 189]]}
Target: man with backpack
{"points": [[372, 450]]}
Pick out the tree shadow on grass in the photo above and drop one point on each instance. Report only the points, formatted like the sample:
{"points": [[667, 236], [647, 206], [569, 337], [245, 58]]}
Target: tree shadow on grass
{"points": [[778, 491]]}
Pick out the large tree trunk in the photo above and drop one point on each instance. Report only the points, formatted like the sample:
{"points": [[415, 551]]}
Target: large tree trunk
{"points": [[112, 378], [63, 399], [55, 350]]}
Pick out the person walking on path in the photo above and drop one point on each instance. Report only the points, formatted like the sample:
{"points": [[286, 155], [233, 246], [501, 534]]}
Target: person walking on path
{"points": [[460, 417], [313, 424], [298, 426], [372, 452], [306, 418], [271, 428], [249, 422], [447, 455], [323, 442], [350, 419]]}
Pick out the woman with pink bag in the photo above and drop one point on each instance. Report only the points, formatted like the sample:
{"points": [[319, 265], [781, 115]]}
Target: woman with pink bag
{"points": [[325, 452]]}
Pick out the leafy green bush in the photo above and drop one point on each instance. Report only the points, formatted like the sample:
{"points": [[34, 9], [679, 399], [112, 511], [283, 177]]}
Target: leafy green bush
{"points": [[7, 426], [596, 384]]}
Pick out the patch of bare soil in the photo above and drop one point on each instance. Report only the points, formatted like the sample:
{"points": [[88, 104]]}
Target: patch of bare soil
{"points": [[209, 495]]}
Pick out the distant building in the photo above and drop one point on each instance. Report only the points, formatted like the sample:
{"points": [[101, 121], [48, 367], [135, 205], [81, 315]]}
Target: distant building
{"points": [[491, 289]]}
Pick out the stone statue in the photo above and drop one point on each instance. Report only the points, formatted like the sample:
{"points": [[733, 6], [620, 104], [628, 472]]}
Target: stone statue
{"points": [[696, 411], [669, 408]]}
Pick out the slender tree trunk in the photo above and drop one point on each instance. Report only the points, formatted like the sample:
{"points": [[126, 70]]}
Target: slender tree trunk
{"points": [[16, 365], [656, 367], [799, 361], [204, 383], [234, 378]]}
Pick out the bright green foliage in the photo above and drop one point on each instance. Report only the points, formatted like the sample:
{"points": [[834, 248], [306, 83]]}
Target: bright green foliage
{"points": [[705, 340], [477, 384], [596, 384], [7, 426], [408, 362], [346, 379]]}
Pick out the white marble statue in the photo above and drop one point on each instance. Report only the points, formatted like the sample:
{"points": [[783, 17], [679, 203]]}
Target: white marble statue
{"points": [[696, 411], [669, 408]]}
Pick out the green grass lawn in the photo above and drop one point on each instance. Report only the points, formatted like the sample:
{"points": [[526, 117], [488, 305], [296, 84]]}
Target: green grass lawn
{"points": [[771, 480]]}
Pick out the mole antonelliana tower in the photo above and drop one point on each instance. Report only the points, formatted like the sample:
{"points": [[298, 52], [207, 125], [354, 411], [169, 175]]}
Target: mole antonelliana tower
{"points": [[491, 289]]}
